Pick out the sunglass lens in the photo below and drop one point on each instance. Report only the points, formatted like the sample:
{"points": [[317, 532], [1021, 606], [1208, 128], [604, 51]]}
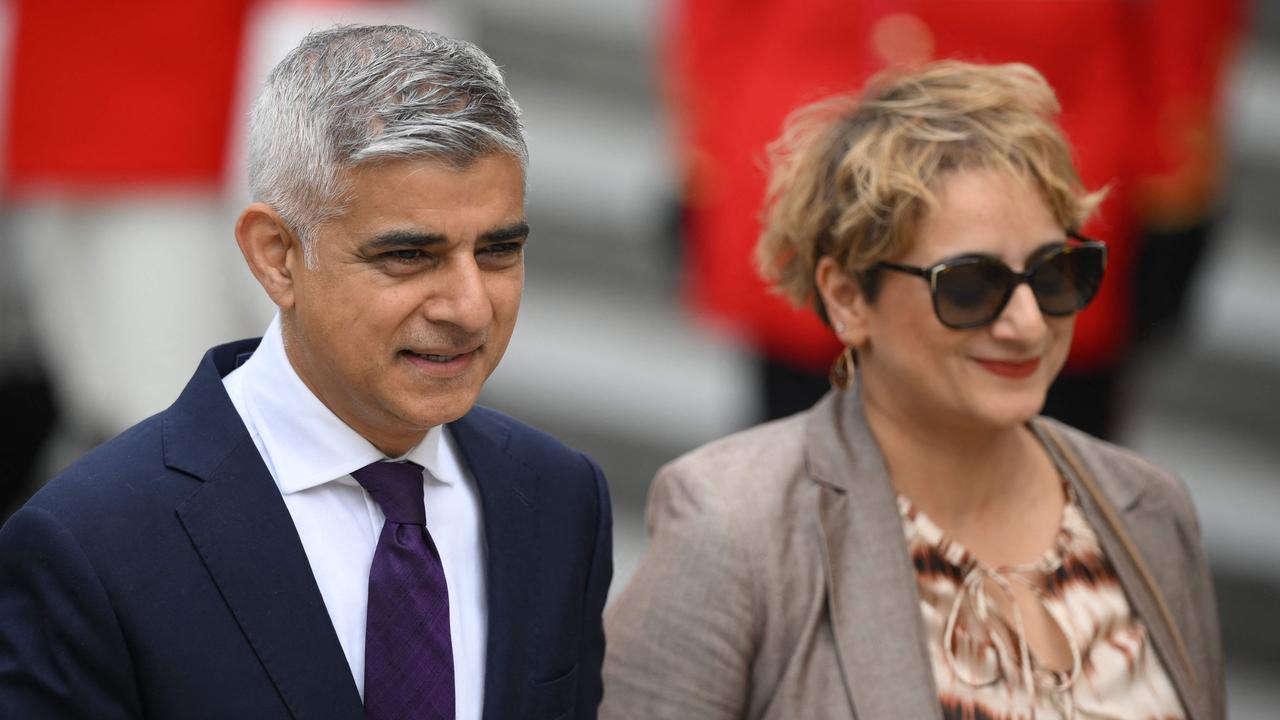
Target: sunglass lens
{"points": [[1066, 281], [971, 293]]}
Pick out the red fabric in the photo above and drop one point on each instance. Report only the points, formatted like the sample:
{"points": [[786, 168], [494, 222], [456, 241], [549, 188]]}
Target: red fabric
{"points": [[112, 96], [738, 68]]}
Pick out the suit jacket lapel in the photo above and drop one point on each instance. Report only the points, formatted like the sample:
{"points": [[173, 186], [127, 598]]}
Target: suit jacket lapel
{"points": [[872, 595], [242, 530], [509, 500]]}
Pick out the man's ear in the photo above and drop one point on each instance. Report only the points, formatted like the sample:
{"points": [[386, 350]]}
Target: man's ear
{"points": [[846, 305], [272, 249]]}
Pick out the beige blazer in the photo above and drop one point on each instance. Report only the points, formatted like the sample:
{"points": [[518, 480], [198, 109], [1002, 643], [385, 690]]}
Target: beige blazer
{"points": [[778, 584]]}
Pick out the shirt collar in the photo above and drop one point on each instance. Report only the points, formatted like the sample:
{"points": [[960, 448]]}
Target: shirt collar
{"points": [[308, 445]]}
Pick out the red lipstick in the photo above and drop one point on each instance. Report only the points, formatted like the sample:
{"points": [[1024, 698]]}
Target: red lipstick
{"points": [[1016, 370]]}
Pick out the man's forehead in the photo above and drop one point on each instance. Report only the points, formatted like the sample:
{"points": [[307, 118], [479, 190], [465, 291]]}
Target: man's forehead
{"points": [[440, 164], [494, 183]]}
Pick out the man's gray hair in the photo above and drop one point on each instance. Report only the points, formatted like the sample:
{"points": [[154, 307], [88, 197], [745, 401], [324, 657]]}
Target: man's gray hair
{"points": [[356, 94]]}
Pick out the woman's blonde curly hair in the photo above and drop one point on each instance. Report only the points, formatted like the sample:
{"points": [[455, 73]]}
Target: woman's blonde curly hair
{"points": [[852, 177]]}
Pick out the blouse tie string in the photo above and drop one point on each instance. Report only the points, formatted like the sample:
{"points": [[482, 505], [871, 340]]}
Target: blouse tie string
{"points": [[973, 593]]}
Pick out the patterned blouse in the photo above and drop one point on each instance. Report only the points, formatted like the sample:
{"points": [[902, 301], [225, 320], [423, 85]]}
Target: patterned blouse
{"points": [[981, 663]]}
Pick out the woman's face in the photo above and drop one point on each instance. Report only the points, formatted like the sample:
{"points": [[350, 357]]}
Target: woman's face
{"points": [[994, 376]]}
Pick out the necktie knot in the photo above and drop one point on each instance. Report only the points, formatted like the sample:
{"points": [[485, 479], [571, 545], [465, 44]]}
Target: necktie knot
{"points": [[397, 488]]}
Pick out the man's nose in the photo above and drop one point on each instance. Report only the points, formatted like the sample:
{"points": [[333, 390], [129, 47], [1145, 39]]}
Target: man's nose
{"points": [[458, 296], [1021, 319]]}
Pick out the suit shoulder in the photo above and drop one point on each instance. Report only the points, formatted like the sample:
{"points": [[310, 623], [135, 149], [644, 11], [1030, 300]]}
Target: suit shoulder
{"points": [[104, 478], [531, 446], [117, 501]]}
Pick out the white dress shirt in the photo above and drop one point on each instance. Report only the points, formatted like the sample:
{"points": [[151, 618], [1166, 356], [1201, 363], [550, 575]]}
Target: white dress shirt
{"points": [[310, 454]]}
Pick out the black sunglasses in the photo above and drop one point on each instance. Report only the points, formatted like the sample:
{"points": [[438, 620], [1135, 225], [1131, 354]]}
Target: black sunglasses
{"points": [[972, 290]]}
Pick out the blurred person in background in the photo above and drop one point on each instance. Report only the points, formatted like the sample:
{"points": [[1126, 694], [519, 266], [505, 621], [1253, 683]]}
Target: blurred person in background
{"points": [[920, 544], [26, 398], [1139, 85], [324, 524]]}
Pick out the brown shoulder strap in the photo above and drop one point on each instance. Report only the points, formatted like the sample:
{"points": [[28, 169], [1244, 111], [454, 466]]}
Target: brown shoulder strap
{"points": [[1117, 528]]}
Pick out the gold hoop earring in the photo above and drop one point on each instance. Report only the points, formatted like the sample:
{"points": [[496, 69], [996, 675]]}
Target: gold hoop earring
{"points": [[841, 374]]}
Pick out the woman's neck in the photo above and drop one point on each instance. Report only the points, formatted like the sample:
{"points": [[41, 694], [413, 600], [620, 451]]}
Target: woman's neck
{"points": [[956, 474]]}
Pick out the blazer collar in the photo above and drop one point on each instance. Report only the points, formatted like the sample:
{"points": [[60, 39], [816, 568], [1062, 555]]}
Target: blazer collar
{"points": [[509, 499], [1124, 491], [872, 595], [839, 419], [239, 525]]}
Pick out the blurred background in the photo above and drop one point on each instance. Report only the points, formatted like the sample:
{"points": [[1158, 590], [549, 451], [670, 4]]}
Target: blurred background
{"points": [[642, 334]]}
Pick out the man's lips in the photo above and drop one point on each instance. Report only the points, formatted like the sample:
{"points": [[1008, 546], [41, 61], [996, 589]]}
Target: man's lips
{"points": [[1010, 368], [441, 362], [439, 356]]}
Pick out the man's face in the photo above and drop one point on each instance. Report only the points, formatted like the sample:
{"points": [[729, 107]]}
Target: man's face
{"points": [[412, 295]]}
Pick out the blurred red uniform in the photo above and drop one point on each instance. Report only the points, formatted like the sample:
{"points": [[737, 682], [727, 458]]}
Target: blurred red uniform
{"points": [[110, 98], [1137, 79]]}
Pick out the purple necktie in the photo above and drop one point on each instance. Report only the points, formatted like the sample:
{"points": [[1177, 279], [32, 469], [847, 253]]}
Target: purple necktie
{"points": [[408, 655]]}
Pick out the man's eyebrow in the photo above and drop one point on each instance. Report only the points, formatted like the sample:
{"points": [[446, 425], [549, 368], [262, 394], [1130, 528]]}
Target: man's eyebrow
{"points": [[403, 239], [396, 239], [510, 232]]}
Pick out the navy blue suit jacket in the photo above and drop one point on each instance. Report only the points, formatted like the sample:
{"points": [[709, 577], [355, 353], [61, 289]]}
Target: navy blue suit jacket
{"points": [[161, 577]]}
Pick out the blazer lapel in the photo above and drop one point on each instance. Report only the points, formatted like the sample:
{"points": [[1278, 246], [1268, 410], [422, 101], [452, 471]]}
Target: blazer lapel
{"points": [[1144, 604], [509, 500], [1127, 499], [872, 595], [242, 530]]}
